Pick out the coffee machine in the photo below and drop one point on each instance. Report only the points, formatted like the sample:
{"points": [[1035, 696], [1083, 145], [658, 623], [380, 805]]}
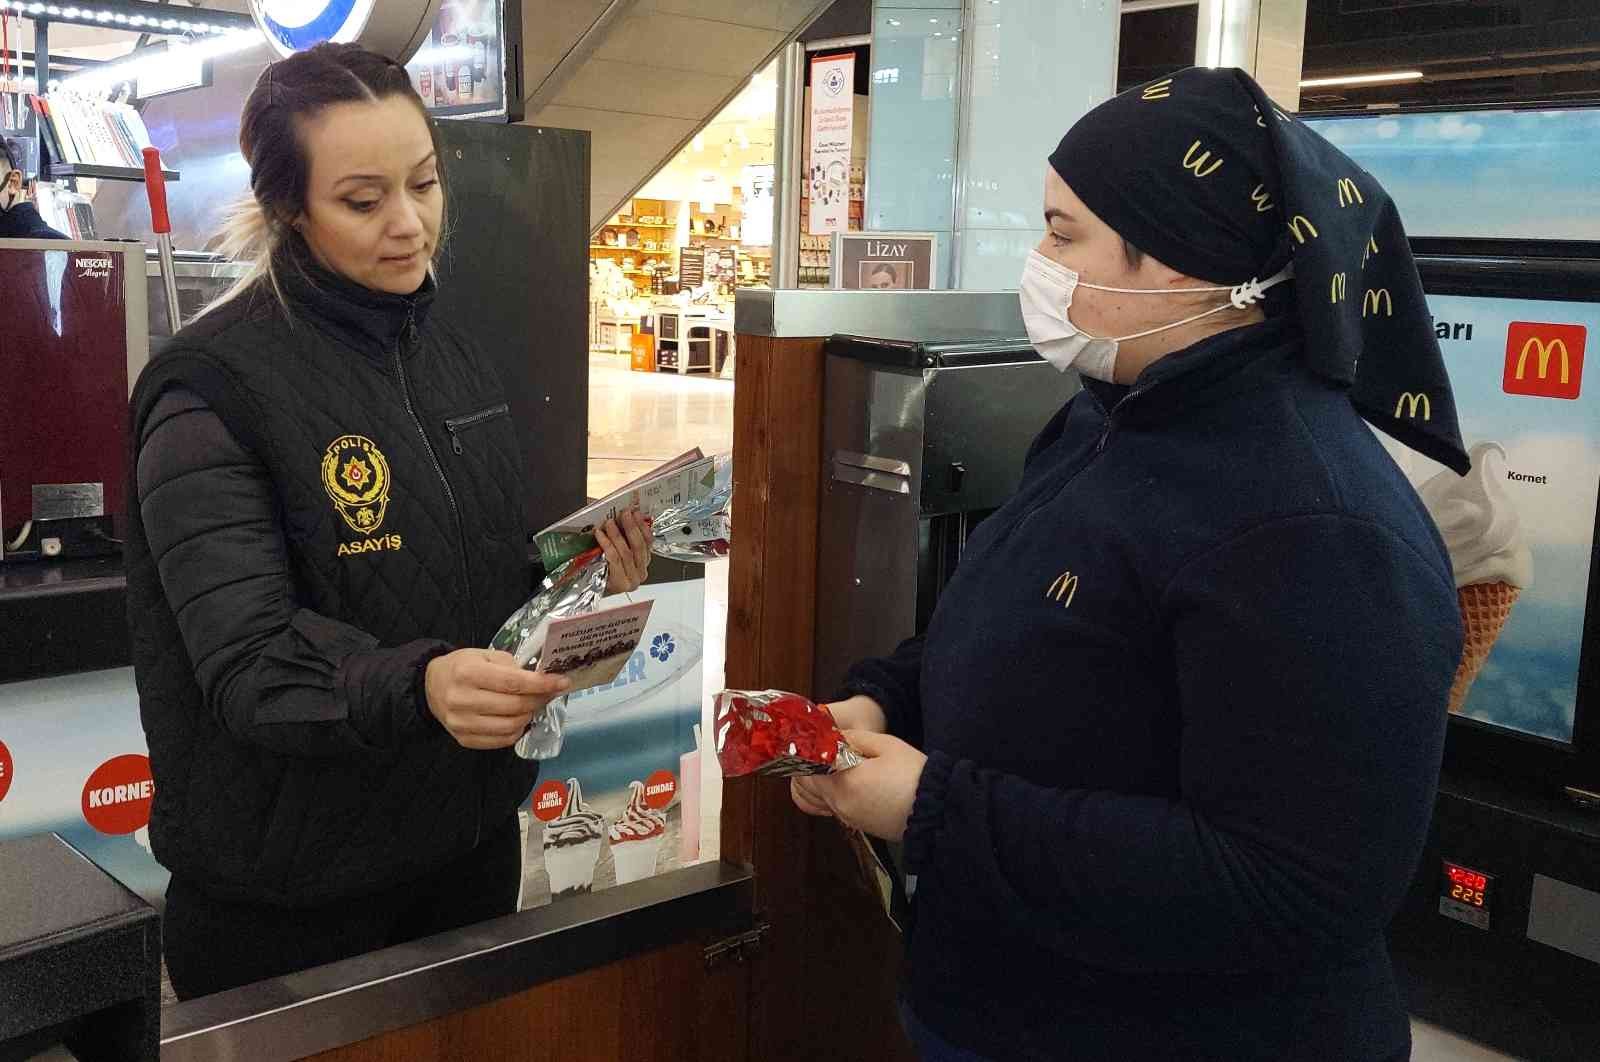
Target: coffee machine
{"points": [[74, 335]]}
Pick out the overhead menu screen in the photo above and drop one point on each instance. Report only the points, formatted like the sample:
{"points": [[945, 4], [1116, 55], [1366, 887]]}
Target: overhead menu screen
{"points": [[1525, 174]]}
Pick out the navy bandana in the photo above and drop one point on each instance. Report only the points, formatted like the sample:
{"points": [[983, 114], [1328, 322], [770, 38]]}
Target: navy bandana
{"points": [[1207, 174]]}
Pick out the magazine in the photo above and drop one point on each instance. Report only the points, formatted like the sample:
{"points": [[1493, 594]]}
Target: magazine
{"points": [[686, 477]]}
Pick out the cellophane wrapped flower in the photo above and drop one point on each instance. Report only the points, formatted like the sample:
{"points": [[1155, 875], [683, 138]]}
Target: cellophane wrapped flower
{"points": [[777, 733]]}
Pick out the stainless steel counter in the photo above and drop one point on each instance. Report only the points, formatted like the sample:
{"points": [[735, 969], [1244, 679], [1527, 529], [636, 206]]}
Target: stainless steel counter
{"points": [[909, 315], [347, 1002]]}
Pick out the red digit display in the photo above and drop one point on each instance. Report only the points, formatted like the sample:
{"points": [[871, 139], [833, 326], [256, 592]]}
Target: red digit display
{"points": [[1468, 878]]}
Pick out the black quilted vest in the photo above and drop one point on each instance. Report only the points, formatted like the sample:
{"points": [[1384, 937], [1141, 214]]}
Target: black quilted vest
{"points": [[422, 537]]}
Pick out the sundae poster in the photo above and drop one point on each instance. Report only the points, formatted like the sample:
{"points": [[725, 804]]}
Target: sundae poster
{"points": [[622, 801], [1520, 527]]}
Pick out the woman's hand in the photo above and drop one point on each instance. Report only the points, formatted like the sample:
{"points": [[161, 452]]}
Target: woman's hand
{"points": [[484, 699], [874, 797], [859, 713], [627, 550]]}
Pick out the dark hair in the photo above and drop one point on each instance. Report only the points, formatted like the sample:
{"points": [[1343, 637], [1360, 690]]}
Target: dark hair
{"points": [[1132, 255], [287, 93], [8, 154]]}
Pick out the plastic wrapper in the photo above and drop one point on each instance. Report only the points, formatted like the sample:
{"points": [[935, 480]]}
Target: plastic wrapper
{"points": [[700, 530], [777, 733], [570, 590]]}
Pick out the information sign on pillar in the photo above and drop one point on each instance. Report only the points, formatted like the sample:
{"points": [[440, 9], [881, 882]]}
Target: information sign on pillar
{"points": [[833, 80]]}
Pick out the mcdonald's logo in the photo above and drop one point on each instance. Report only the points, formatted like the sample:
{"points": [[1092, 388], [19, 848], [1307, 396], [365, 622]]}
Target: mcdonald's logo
{"points": [[1262, 122], [1372, 248], [1412, 404], [1348, 192], [1261, 199], [1544, 360], [1300, 225], [1064, 589], [1375, 298], [1157, 90], [1336, 288], [1197, 163]]}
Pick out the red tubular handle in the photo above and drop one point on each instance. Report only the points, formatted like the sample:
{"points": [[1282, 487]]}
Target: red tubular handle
{"points": [[156, 185]]}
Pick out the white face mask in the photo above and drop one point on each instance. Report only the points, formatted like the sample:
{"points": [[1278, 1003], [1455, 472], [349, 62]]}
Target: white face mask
{"points": [[1046, 295]]}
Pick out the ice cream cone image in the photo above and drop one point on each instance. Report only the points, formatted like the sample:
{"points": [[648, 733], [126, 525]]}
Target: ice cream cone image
{"points": [[1492, 562], [1485, 608]]}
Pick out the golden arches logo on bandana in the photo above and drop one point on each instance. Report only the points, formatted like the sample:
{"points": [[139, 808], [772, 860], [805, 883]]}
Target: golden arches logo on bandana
{"points": [[1299, 225], [1261, 198], [356, 476], [1064, 589], [1373, 299], [1348, 192], [1413, 404], [1157, 90], [1337, 288], [1197, 163]]}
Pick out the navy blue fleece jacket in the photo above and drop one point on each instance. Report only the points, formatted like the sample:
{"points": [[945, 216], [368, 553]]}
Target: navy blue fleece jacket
{"points": [[1183, 704]]}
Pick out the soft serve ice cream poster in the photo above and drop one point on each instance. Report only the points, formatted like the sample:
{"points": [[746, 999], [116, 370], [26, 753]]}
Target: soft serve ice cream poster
{"points": [[1520, 526], [621, 802]]}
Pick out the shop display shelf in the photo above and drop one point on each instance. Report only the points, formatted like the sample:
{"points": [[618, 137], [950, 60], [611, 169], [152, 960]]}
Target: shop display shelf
{"points": [[104, 173]]}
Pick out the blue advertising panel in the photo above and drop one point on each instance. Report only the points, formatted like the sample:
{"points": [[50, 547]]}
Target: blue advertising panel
{"points": [[1482, 174], [1520, 527]]}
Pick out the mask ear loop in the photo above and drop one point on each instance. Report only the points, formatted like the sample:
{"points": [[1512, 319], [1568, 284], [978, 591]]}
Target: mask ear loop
{"points": [[1240, 297]]}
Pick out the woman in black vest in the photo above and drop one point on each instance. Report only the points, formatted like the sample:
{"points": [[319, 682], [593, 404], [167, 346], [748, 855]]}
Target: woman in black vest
{"points": [[329, 522]]}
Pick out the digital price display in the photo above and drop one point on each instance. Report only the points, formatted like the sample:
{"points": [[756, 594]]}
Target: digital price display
{"points": [[1464, 894]]}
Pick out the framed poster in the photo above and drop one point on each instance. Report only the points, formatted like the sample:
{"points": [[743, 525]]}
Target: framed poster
{"points": [[885, 261]]}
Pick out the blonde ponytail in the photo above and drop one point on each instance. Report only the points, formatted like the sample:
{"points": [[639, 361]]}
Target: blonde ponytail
{"points": [[248, 235]]}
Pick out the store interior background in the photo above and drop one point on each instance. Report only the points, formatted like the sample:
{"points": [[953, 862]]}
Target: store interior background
{"points": [[682, 99]]}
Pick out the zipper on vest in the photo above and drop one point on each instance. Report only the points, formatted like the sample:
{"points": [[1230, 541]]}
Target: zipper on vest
{"points": [[456, 425], [409, 330]]}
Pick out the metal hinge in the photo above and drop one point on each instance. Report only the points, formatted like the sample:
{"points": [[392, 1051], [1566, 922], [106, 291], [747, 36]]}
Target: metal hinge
{"points": [[738, 948]]}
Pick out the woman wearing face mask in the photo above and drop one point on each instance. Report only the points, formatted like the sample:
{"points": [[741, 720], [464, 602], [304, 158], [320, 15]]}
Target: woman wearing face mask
{"points": [[1164, 761], [19, 219], [330, 519]]}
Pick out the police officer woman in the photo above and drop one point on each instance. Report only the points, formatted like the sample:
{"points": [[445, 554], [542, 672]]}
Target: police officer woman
{"points": [[330, 521]]}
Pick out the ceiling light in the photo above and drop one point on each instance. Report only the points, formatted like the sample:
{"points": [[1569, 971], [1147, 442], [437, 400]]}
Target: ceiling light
{"points": [[1362, 79]]}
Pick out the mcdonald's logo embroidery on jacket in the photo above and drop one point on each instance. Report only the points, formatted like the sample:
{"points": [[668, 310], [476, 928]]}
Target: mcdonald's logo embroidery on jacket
{"points": [[1373, 299], [1064, 589], [1300, 225], [1197, 163], [1348, 192], [1261, 199], [1157, 90], [1372, 248], [1412, 403], [1336, 288], [1544, 360]]}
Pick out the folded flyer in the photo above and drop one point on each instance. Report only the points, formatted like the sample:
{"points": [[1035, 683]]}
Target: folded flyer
{"points": [[592, 649], [685, 478]]}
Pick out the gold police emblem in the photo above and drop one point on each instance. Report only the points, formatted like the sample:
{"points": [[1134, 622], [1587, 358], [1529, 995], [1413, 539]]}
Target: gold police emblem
{"points": [[356, 476]]}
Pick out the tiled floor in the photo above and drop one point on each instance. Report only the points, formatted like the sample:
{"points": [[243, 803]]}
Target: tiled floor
{"points": [[639, 419]]}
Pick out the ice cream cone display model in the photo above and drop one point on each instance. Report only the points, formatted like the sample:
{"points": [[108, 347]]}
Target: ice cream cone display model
{"points": [[636, 837], [572, 845], [1488, 551]]}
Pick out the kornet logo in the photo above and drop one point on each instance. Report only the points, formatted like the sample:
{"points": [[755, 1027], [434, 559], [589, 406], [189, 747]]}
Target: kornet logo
{"points": [[118, 795], [1544, 360]]}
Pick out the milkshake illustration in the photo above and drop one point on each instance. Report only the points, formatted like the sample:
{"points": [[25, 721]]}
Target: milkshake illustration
{"points": [[636, 837], [572, 845], [1493, 565]]}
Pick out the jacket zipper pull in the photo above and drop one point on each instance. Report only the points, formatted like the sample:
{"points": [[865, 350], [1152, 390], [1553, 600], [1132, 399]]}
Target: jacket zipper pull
{"points": [[455, 439]]}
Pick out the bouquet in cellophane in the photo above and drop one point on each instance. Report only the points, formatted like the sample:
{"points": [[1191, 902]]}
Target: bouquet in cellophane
{"points": [[776, 733], [695, 526]]}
